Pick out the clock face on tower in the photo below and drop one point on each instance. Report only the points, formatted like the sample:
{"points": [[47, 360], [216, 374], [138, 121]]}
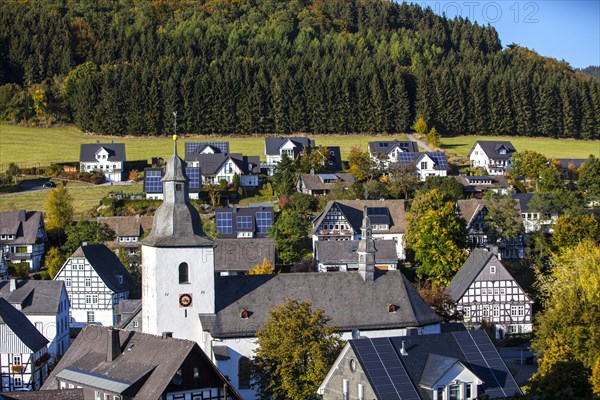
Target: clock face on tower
{"points": [[185, 300]]}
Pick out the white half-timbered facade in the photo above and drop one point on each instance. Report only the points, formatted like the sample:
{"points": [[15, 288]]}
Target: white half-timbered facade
{"points": [[485, 291], [23, 237], [96, 281]]}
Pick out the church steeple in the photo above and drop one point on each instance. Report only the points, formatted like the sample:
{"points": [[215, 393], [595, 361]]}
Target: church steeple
{"points": [[366, 250], [176, 222]]}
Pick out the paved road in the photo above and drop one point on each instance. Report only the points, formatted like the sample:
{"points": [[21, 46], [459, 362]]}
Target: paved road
{"points": [[512, 358], [420, 143]]}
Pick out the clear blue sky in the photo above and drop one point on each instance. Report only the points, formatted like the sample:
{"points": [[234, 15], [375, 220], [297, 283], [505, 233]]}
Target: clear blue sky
{"points": [[565, 30]]}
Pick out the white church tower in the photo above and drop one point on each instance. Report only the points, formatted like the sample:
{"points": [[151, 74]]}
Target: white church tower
{"points": [[178, 266], [366, 250]]}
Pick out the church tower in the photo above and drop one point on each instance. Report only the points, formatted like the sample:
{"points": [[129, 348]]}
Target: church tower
{"points": [[177, 262], [366, 250]]}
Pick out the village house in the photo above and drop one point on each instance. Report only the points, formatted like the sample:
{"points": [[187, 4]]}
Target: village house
{"points": [[388, 152], [113, 364], [534, 220], [484, 290], [433, 163], [292, 146], [322, 184], [445, 366], [23, 237], [493, 156], [218, 167], [96, 281], [128, 232], [477, 186], [193, 149], [23, 351], [128, 315], [153, 185], [107, 158], [46, 305]]}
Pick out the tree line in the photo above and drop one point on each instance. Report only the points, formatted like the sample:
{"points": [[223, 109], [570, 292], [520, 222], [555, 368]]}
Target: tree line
{"points": [[330, 66]]}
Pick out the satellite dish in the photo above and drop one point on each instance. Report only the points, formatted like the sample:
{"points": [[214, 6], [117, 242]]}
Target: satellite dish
{"points": [[355, 334]]}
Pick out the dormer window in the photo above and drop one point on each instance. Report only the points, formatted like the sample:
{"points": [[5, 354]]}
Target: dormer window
{"points": [[120, 279], [244, 314], [392, 308]]}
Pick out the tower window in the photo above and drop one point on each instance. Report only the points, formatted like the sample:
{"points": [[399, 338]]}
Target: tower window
{"points": [[392, 308], [184, 273], [178, 187], [244, 373]]}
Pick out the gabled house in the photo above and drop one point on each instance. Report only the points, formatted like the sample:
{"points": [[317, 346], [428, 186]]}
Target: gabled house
{"points": [[238, 256], [445, 366], [23, 351], [474, 212], [46, 305], [321, 184], [218, 167], [125, 365], [534, 220], [192, 149], [386, 152], [153, 186], [128, 315], [128, 232], [23, 237], [477, 186], [492, 155], [292, 146], [244, 222], [108, 158], [96, 281], [433, 163], [341, 220], [485, 291]]}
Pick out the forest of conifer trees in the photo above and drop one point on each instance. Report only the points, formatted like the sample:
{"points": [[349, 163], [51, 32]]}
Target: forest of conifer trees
{"points": [[278, 66]]}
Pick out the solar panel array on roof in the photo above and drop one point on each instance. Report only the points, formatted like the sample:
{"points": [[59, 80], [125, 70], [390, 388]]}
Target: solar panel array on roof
{"points": [[439, 158], [152, 181], [264, 219], [487, 364], [386, 373], [379, 215], [191, 147], [407, 158], [244, 221], [224, 222], [194, 174]]}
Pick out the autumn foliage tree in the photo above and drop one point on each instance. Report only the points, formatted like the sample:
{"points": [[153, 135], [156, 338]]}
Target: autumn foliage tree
{"points": [[265, 267], [59, 210], [296, 347]]}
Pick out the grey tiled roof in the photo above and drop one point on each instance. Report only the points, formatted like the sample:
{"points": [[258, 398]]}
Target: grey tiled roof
{"points": [[344, 251], [347, 298], [22, 328], [107, 266], [63, 394], [272, 145], [149, 360], [211, 163], [435, 368], [353, 211], [243, 254], [468, 272], [35, 297], [23, 224], [491, 147], [475, 183], [385, 147], [128, 225], [116, 151], [314, 181], [523, 199]]}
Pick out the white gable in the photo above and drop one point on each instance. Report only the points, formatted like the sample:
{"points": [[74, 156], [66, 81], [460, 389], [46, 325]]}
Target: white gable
{"points": [[458, 373], [288, 145], [207, 150]]}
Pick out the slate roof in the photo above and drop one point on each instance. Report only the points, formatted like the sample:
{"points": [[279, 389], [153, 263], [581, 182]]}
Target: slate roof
{"points": [[23, 224], [146, 364], [193, 148], [210, 164], [479, 183], [272, 145], [64, 394], [129, 309], [128, 225], [438, 157], [34, 297], [344, 251], [428, 355], [523, 199], [385, 147], [469, 208], [472, 267], [491, 147], [248, 212], [22, 328], [116, 151], [347, 298], [335, 160], [353, 211], [564, 162], [107, 266], [316, 181], [243, 254]]}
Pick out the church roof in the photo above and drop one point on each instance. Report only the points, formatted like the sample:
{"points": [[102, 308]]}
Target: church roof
{"points": [[346, 297]]}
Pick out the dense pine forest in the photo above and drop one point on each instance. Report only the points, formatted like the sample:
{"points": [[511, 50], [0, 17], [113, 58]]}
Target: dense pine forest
{"points": [[278, 66]]}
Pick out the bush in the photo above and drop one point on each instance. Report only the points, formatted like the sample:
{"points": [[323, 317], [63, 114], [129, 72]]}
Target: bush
{"points": [[18, 270]]}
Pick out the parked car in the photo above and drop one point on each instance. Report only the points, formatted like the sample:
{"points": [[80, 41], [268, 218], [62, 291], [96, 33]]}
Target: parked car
{"points": [[49, 184]]}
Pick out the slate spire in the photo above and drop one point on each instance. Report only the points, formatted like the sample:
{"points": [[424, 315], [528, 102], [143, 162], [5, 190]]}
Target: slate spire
{"points": [[176, 222], [366, 250]]}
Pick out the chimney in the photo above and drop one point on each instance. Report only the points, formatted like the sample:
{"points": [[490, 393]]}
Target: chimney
{"points": [[113, 345], [22, 215], [403, 350], [13, 285], [167, 335]]}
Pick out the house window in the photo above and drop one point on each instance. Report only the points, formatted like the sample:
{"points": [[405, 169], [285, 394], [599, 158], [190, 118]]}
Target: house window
{"points": [[90, 317], [136, 324], [184, 276], [454, 392], [467, 311], [88, 282], [16, 360], [424, 165], [120, 278], [492, 269], [440, 393], [244, 373], [517, 311], [486, 311], [496, 311], [18, 381], [467, 390], [68, 282]]}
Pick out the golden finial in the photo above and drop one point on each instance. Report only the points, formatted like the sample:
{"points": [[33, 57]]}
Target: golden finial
{"points": [[174, 137]]}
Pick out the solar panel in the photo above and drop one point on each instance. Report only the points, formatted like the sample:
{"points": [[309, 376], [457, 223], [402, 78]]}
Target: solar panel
{"points": [[264, 219], [191, 147], [225, 222], [244, 222], [152, 181], [407, 158], [194, 174], [439, 158], [486, 364], [387, 374], [378, 215]]}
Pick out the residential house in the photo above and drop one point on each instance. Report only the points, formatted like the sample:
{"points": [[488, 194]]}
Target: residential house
{"points": [[153, 186], [292, 146], [477, 186], [128, 315], [3, 266], [108, 158], [238, 256], [128, 232], [108, 363], [321, 184], [23, 351], [96, 281], [485, 291], [433, 163], [492, 155], [446, 366], [342, 219], [218, 167], [46, 305], [244, 222], [192, 149], [387, 152], [534, 220], [223, 313], [23, 237], [474, 212]]}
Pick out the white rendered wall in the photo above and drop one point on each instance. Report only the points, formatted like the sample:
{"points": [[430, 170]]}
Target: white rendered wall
{"points": [[161, 311]]}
